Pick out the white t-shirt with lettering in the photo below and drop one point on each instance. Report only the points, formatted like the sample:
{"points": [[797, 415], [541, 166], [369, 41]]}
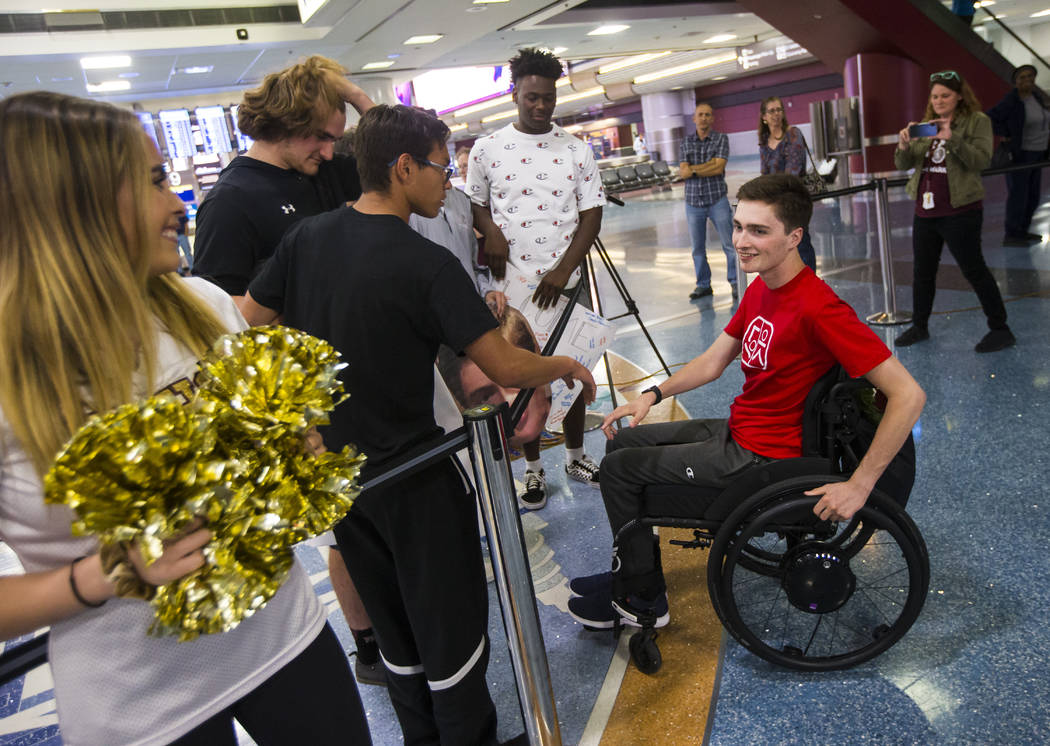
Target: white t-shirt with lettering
{"points": [[536, 186]]}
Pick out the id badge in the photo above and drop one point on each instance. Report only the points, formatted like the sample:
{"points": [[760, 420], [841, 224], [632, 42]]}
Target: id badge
{"points": [[927, 200]]}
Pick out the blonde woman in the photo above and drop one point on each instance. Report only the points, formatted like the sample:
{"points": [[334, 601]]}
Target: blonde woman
{"points": [[947, 189], [96, 316]]}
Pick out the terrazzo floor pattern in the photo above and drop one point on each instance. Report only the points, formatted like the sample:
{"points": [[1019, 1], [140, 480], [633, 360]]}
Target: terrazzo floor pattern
{"points": [[971, 670]]}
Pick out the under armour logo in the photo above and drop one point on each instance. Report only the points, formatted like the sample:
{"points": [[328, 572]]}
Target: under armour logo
{"points": [[288, 209]]}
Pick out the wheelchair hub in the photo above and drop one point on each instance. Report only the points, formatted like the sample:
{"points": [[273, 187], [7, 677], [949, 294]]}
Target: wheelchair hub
{"points": [[816, 579]]}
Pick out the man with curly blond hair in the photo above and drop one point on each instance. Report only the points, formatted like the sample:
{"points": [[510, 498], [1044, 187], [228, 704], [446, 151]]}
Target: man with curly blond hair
{"points": [[295, 116]]}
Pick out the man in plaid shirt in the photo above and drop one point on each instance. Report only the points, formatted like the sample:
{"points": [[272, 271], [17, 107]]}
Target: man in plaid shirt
{"points": [[703, 157]]}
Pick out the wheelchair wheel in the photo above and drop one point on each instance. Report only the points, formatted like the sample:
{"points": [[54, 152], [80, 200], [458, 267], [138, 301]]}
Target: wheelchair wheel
{"points": [[829, 602], [644, 653]]}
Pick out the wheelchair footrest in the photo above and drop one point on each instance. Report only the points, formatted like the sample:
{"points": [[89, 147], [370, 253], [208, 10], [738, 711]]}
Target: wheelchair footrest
{"points": [[699, 541]]}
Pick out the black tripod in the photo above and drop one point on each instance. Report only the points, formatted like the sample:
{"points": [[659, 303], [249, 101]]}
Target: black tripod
{"points": [[621, 288]]}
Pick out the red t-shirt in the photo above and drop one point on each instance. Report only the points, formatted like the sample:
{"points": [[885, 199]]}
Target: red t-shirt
{"points": [[790, 337]]}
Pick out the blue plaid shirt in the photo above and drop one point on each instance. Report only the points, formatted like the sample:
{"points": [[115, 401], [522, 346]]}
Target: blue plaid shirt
{"points": [[704, 191]]}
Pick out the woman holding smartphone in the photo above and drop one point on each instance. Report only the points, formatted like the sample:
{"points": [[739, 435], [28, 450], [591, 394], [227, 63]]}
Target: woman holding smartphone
{"points": [[95, 315], [782, 150], [948, 193]]}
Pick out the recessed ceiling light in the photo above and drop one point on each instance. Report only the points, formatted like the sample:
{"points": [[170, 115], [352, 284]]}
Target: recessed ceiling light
{"points": [[558, 50], [983, 3], [489, 2], [1041, 13], [109, 85], [457, 127], [131, 74], [613, 28], [393, 56], [195, 69], [61, 79], [720, 77], [378, 65], [423, 39], [719, 37], [104, 63], [680, 69]]}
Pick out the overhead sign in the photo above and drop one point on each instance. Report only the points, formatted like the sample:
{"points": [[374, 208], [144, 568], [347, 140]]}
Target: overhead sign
{"points": [[769, 53]]}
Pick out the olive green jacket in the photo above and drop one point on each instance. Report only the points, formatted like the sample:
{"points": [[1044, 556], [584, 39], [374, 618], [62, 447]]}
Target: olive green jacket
{"points": [[969, 151]]}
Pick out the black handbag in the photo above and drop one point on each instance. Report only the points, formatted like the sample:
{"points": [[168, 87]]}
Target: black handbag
{"points": [[812, 179]]}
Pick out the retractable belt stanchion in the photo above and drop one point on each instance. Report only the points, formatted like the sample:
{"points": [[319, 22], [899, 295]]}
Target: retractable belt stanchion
{"points": [[510, 565], [891, 315]]}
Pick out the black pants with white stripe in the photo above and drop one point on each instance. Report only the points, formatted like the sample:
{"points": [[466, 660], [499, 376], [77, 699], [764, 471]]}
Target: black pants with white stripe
{"points": [[414, 553]]}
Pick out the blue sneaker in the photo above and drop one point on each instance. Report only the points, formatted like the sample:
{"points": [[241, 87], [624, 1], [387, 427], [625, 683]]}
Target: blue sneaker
{"points": [[599, 611], [589, 584]]}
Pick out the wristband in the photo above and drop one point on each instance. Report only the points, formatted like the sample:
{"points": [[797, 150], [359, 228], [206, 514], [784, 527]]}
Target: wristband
{"points": [[76, 592], [655, 390]]}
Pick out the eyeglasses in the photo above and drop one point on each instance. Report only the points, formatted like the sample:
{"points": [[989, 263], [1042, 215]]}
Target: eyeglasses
{"points": [[448, 170], [944, 75], [777, 110]]}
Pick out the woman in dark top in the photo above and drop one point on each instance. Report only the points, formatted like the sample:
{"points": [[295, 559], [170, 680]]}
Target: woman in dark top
{"points": [[1022, 118], [947, 189], [782, 150]]}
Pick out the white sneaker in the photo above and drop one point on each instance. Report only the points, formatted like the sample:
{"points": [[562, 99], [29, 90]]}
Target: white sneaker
{"points": [[583, 470], [534, 496]]}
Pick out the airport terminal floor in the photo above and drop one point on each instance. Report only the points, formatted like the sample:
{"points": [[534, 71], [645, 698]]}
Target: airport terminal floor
{"points": [[972, 670]]}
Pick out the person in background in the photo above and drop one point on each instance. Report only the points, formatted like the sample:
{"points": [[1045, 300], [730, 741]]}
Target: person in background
{"points": [[386, 298], [703, 157], [95, 316], [295, 116], [947, 189], [964, 10], [782, 150], [1022, 118], [462, 162], [538, 202]]}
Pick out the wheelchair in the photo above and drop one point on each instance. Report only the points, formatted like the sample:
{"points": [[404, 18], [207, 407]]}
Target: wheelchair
{"points": [[797, 591]]}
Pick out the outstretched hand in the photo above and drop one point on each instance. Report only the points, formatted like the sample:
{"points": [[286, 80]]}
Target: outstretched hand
{"points": [[637, 409], [581, 374], [839, 501]]}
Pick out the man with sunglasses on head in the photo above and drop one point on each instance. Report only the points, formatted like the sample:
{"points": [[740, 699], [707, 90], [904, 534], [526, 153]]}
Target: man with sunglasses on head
{"points": [[295, 118], [386, 298]]}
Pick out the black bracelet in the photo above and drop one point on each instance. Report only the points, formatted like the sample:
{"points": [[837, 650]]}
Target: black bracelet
{"points": [[656, 392], [73, 587]]}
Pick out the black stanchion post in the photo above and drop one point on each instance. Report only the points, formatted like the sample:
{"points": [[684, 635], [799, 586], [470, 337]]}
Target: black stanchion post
{"points": [[891, 315], [510, 565]]}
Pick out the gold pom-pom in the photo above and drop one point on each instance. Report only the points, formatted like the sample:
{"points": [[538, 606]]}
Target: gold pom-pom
{"points": [[233, 458]]}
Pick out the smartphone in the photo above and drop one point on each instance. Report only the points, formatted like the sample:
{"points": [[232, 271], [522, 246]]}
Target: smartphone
{"points": [[926, 129]]}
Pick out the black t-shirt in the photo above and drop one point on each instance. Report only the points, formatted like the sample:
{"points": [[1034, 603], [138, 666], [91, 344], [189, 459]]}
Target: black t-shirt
{"points": [[386, 298], [251, 206]]}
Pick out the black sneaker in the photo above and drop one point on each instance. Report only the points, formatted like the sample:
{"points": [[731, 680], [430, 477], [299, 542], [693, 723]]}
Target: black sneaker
{"points": [[995, 340], [911, 336], [534, 496], [583, 470], [599, 611], [369, 673], [701, 293], [587, 585]]}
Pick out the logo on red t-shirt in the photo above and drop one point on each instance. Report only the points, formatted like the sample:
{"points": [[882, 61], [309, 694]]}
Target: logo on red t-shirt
{"points": [[754, 351]]}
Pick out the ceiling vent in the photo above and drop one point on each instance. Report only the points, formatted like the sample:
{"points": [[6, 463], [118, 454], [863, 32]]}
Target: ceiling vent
{"points": [[131, 20]]}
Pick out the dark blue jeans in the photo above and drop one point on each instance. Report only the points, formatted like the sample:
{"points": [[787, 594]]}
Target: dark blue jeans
{"points": [[1023, 192]]}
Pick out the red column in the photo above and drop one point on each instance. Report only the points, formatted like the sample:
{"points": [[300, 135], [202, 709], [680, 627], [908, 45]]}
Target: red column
{"points": [[892, 91]]}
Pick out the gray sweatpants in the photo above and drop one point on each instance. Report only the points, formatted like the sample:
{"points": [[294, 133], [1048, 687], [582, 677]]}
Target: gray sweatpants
{"points": [[697, 452]]}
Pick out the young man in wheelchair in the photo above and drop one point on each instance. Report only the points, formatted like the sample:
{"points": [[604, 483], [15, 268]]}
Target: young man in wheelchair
{"points": [[789, 329]]}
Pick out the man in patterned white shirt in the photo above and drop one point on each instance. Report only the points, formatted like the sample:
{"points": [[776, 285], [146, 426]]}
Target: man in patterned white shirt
{"points": [[538, 202]]}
